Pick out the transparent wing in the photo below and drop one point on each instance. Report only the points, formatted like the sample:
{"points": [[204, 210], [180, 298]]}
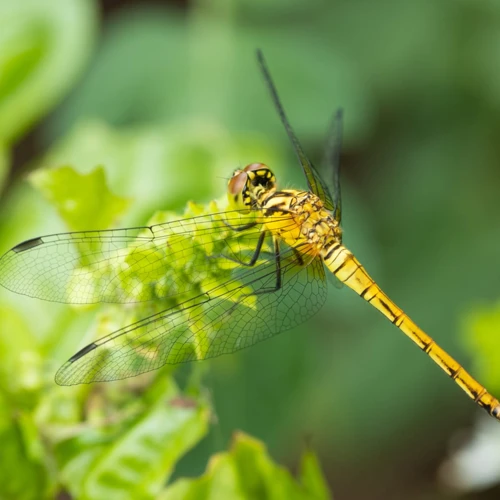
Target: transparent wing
{"points": [[316, 184], [331, 160], [254, 304], [124, 265]]}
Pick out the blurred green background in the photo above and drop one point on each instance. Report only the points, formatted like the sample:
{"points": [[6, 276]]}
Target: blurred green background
{"points": [[166, 97]]}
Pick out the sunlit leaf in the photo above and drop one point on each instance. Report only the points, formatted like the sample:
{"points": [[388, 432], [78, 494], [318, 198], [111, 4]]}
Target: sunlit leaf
{"points": [[312, 477], [155, 166], [19, 353], [481, 336], [140, 459], [122, 93], [43, 46], [247, 471], [83, 200], [21, 475]]}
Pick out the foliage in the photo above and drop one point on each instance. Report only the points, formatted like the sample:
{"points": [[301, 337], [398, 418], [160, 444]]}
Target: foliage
{"points": [[168, 105], [68, 191], [247, 471], [99, 442], [44, 47], [481, 328]]}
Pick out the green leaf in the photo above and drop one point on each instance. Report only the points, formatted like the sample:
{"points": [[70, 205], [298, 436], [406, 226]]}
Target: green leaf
{"points": [[18, 353], [140, 459], [312, 477], [121, 93], [247, 472], [21, 476], [82, 200], [43, 46], [481, 338], [160, 167], [221, 481]]}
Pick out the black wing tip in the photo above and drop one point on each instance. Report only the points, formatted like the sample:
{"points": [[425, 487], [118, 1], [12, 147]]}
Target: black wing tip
{"points": [[82, 352], [63, 378], [28, 244]]}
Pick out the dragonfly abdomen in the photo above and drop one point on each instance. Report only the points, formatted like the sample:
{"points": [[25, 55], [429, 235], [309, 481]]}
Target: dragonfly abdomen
{"points": [[341, 262]]}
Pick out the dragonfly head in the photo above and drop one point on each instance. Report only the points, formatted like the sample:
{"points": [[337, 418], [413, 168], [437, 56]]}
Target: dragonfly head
{"points": [[247, 187]]}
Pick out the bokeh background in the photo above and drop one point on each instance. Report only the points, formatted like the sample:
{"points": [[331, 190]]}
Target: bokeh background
{"points": [[166, 97]]}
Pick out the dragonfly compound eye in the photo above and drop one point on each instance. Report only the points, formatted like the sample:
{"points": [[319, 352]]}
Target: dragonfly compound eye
{"points": [[255, 166], [260, 175], [247, 186], [237, 183], [236, 188]]}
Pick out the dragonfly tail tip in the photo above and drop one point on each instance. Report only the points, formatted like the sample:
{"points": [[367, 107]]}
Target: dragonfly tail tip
{"points": [[495, 412]]}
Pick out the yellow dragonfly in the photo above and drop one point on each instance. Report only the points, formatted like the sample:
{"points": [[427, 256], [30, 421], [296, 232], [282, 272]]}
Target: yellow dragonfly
{"points": [[222, 281]]}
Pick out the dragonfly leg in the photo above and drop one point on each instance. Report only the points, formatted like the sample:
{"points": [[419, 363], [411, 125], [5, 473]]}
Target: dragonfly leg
{"points": [[254, 257], [298, 256], [266, 290], [240, 228], [278, 285]]}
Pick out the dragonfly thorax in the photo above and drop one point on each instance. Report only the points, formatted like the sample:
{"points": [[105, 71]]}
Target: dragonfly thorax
{"points": [[300, 219], [248, 186]]}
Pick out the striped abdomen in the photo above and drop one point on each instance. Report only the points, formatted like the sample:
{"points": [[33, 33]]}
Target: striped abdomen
{"points": [[348, 270]]}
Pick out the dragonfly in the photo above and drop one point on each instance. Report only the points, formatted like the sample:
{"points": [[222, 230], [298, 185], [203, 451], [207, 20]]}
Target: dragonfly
{"points": [[223, 281]]}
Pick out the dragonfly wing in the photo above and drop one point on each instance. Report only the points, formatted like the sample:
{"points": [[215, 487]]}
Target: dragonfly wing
{"points": [[223, 319], [331, 160], [120, 265], [316, 184]]}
